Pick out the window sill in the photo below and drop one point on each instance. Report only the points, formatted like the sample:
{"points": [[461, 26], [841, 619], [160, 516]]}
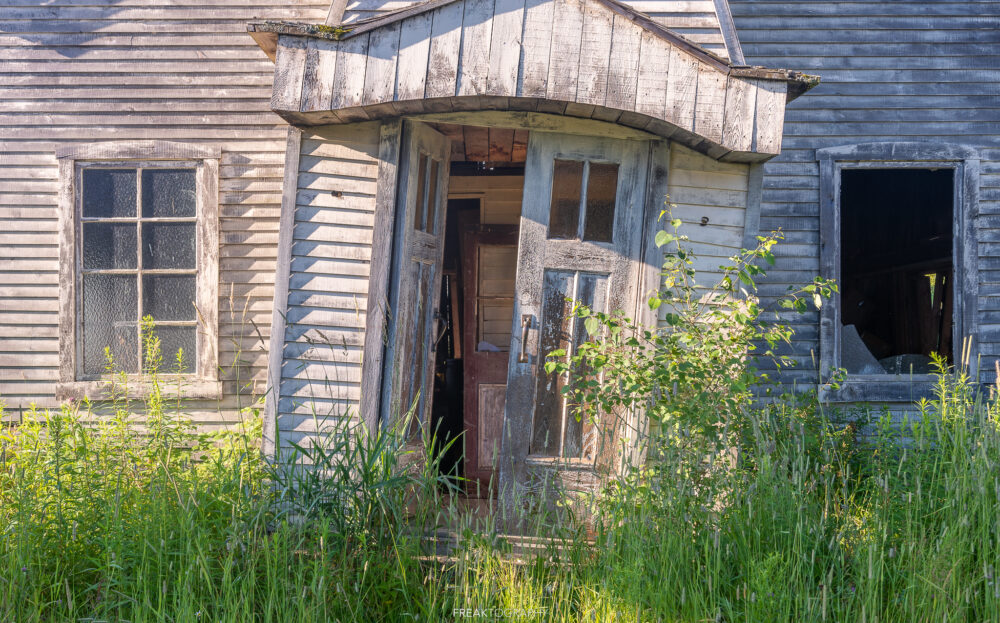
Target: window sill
{"points": [[560, 463], [880, 388], [137, 390]]}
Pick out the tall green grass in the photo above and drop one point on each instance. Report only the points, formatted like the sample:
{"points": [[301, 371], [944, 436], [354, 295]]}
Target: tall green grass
{"points": [[802, 517], [805, 520]]}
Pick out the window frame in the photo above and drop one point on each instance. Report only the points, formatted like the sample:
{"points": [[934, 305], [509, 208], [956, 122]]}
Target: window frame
{"points": [[204, 381], [964, 161]]}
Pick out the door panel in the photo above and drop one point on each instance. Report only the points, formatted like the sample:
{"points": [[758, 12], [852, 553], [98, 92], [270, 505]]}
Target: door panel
{"points": [[417, 255], [489, 263], [582, 222]]}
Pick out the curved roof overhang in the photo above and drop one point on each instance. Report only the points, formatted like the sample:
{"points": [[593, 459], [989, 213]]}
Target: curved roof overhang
{"points": [[593, 59]]}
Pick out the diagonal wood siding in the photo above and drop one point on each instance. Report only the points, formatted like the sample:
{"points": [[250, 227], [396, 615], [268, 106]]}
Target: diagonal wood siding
{"points": [[75, 71], [892, 71]]}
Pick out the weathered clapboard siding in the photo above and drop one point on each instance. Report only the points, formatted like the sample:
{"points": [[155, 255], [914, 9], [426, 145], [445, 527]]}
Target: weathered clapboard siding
{"points": [[603, 62], [330, 258], [74, 72], [892, 71], [710, 198], [694, 20]]}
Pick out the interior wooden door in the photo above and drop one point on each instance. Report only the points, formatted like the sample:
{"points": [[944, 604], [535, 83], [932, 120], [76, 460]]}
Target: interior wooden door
{"points": [[489, 264], [408, 373], [580, 239]]}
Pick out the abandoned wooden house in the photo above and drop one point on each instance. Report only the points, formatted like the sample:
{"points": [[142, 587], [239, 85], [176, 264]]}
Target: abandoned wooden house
{"points": [[351, 208], [889, 182]]}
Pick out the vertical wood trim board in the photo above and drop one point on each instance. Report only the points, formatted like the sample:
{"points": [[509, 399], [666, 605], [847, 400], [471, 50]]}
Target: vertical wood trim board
{"points": [[276, 349], [390, 136], [67, 270]]}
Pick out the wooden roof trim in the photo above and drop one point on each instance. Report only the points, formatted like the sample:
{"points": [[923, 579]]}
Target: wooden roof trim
{"points": [[266, 35], [729, 35], [346, 31]]}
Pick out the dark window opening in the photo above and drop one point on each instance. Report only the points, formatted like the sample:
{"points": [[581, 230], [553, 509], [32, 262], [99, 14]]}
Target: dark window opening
{"points": [[897, 291]]}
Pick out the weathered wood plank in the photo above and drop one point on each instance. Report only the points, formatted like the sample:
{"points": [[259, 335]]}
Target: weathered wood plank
{"points": [[682, 86], [564, 54], [535, 49], [623, 71], [501, 144], [377, 306], [738, 125], [320, 67], [651, 85], [349, 75], [477, 143], [474, 63], [594, 55], [380, 69], [289, 65], [414, 51], [446, 41], [768, 126], [710, 104], [505, 47]]}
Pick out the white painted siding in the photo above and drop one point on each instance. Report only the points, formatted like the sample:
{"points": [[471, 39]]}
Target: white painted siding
{"points": [[107, 70]]}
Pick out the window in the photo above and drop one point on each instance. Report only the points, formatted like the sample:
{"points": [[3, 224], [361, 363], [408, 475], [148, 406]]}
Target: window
{"points": [[896, 269], [587, 189], [897, 232], [138, 238]]}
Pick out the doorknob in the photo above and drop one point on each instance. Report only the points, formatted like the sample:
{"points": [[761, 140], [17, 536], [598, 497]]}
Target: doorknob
{"points": [[525, 325]]}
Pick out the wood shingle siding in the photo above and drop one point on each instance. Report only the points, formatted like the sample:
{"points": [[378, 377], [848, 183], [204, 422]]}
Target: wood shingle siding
{"points": [[82, 71], [891, 71]]}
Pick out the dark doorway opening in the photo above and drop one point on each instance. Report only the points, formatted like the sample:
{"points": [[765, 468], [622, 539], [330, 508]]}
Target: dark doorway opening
{"points": [[897, 272], [476, 314]]}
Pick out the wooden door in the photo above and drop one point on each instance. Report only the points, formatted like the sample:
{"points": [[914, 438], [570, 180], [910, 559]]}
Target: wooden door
{"points": [[489, 264], [580, 239], [408, 375]]}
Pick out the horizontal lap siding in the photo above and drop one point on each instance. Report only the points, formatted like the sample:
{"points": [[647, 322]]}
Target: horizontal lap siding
{"points": [[76, 72], [328, 279], [891, 71], [702, 188], [694, 20]]}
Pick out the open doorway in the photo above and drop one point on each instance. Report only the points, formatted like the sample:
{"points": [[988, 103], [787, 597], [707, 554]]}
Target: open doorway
{"points": [[477, 298], [897, 272]]}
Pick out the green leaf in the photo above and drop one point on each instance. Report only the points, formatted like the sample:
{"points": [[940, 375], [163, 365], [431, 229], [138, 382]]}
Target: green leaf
{"points": [[592, 325], [663, 238]]}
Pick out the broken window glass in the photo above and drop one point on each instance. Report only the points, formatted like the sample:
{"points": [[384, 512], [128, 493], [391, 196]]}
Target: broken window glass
{"points": [[897, 290]]}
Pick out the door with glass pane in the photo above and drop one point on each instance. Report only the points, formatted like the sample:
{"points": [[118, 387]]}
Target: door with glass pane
{"points": [[413, 300], [580, 240]]}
